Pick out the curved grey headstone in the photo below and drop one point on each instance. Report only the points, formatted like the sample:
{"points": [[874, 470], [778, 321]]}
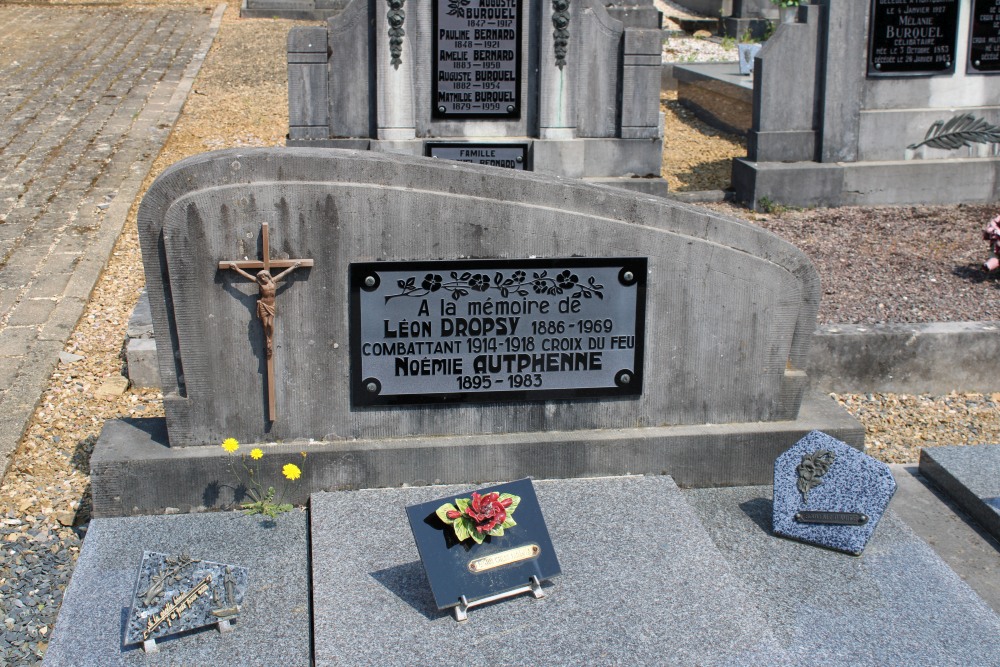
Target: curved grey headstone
{"points": [[730, 307]]}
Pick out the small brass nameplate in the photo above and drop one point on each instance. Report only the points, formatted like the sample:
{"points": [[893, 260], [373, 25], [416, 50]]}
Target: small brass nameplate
{"points": [[832, 518], [504, 558]]}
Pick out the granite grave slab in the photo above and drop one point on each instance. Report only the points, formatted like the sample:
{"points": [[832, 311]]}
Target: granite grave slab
{"points": [[273, 624], [899, 604], [829, 494], [971, 476], [637, 587]]}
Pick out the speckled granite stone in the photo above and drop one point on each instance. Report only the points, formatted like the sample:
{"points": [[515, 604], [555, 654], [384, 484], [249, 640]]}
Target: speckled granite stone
{"points": [[899, 605], [854, 482], [971, 476], [273, 625], [641, 584]]}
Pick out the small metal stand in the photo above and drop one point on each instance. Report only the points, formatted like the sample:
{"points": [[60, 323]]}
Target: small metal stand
{"points": [[461, 611], [149, 646], [224, 626]]}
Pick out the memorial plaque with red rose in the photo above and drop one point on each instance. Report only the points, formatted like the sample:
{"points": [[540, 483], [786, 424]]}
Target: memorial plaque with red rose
{"points": [[483, 543]]}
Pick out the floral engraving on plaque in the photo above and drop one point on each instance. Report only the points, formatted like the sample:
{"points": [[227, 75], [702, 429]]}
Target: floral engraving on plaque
{"points": [[811, 470], [516, 283], [560, 36], [457, 7], [396, 18], [962, 130]]}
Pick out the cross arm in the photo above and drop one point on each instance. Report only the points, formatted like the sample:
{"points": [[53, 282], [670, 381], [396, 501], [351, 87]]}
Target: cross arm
{"points": [[274, 263]]}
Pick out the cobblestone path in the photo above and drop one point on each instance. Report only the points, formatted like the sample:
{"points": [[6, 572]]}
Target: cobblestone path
{"points": [[88, 95]]}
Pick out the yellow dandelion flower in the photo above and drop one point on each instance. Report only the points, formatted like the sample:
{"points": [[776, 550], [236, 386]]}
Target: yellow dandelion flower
{"points": [[291, 471], [230, 445], [256, 454]]}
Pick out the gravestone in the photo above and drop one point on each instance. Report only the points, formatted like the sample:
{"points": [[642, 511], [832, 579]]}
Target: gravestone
{"points": [[566, 87], [753, 16], [597, 331], [868, 102], [829, 494]]}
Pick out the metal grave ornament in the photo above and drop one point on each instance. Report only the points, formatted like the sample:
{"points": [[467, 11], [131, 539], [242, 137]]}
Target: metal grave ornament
{"points": [[829, 494], [475, 551], [266, 301], [496, 330], [984, 38], [176, 594]]}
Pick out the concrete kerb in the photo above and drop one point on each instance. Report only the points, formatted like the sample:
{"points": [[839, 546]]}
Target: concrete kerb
{"points": [[929, 358], [155, 120]]}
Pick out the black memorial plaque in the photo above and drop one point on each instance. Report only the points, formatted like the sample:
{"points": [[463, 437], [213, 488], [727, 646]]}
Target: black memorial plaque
{"points": [[509, 156], [477, 59], [458, 569], [912, 37], [496, 330], [984, 37]]}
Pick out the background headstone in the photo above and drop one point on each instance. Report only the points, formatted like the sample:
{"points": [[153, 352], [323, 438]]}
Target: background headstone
{"points": [[577, 83], [830, 128]]}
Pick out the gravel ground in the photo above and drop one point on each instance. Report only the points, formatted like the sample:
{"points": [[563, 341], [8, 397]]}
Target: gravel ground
{"points": [[874, 269]]}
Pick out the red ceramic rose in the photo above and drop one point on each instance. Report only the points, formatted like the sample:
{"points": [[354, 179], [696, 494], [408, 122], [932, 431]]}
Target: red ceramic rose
{"points": [[482, 515]]}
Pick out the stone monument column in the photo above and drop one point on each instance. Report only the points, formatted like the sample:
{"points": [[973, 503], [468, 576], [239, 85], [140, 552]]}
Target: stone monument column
{"points": [[395, 29], [558, 68]]}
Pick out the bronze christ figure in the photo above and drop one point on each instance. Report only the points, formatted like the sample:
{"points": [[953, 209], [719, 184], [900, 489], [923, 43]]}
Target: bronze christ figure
{"points": [[266, 305]]}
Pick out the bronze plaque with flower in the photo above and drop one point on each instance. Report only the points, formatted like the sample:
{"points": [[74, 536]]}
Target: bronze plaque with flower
{"points": [[496, 330], [482, 545]]}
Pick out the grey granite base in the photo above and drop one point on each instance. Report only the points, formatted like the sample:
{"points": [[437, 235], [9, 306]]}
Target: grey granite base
{"points": [[641, 584], [651, 575], [898, 604], [971, 476], [130, 453], [273, 625], [910, 182]]}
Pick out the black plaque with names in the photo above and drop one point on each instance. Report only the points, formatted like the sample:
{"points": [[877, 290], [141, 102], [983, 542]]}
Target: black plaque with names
{"points": [[477, 59], [509, 156], [496, 330], [984, 37], [912, 37]]}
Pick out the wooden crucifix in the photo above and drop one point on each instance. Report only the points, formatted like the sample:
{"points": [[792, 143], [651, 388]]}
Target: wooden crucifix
{"points": [[266, 307]]}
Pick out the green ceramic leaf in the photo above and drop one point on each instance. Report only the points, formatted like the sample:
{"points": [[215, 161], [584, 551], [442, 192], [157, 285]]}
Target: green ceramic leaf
{"points": [[509, 523], [477, 536], [463, 504], [497, 532], [514, 502], [461, 529], [442, 513]]}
